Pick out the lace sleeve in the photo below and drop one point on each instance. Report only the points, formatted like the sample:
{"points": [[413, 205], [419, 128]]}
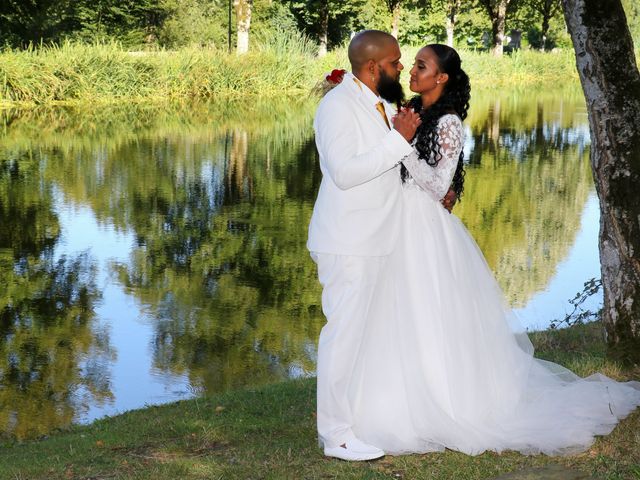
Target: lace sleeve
{"points": [[436, 180]]}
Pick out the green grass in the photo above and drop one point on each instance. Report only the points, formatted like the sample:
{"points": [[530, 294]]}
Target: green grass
{"points": [[523, 68], [107, 73], [269, 433], [285, 65]]}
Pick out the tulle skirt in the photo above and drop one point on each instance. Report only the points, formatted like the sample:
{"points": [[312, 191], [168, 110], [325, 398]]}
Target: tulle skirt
{"points": [[451, 368]]}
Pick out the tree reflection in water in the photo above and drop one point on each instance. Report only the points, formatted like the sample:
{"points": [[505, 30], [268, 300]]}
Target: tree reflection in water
{"points": [[49, 349], [218, 198], [527, 183]]}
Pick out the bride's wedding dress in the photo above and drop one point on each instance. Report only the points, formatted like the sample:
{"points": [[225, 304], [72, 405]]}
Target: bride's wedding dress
{"points": [[445, 365]]}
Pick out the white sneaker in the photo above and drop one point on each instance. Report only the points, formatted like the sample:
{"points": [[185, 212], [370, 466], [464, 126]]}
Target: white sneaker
{"points": [[354, 450]]}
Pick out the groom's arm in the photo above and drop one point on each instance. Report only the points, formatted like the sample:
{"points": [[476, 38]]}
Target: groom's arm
{"points": [[336, 128]]}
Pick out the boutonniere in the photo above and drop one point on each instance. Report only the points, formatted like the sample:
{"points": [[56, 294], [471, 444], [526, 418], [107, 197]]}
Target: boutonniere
{"points": [[335, 76], [329, 81]]}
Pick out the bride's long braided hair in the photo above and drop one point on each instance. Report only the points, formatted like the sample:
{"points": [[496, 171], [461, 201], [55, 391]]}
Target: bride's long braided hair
{"points": [[454, 99]]}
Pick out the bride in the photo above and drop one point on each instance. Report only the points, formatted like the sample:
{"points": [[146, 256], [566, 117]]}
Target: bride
{"points": [[450, 368]]}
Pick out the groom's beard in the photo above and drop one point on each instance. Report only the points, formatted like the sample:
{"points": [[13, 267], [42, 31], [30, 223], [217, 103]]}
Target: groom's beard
{"points": [[390, 89]]}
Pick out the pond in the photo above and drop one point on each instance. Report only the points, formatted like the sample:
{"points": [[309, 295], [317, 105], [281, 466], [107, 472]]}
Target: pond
{"points": [[149, 254]]}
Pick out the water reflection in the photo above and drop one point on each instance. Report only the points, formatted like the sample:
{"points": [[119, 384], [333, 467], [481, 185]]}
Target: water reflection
{"points": [[193, 221], [51, 354], [526, 186]]}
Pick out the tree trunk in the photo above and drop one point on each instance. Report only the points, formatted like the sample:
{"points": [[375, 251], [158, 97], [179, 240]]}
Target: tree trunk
{"points": [[450, 27], [324, 29], [243, 18], [497, 10], [611, 83], [545, 30], [452, 12], [498, 19], [395, 21]]}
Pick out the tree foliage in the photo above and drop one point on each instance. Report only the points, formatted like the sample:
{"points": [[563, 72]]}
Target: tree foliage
{"points": [[339, 18], [632, 11], [477, 24]]}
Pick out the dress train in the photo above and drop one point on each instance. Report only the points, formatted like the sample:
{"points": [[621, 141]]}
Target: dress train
{"points": [[444, 363]]}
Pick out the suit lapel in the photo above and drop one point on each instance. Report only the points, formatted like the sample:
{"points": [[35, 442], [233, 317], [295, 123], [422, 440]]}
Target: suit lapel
{"points": [[364, 102], [371, 110]]}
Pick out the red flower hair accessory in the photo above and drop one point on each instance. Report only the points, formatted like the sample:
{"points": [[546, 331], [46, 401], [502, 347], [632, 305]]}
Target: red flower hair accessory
{"points": [[335, 76]]}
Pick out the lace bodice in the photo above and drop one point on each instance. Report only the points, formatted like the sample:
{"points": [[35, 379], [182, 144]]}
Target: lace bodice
{"points": [[436, 180]]}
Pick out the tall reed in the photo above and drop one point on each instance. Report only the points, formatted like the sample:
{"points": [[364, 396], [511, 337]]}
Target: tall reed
{"points": [[284, 65], [106, 72]]}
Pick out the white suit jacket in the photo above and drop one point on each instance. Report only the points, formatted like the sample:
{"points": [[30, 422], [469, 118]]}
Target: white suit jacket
{"points": [[359, 203]]}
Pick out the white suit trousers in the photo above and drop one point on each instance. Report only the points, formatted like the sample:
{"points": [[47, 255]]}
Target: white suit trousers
{"points": [[352, 291]]}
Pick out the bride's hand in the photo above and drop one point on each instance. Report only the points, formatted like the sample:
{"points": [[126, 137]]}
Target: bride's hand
{"points": [[406, 122], [449, 200]]}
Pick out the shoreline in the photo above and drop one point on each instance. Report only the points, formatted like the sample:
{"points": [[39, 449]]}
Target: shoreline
{"points": [[269, 432]]}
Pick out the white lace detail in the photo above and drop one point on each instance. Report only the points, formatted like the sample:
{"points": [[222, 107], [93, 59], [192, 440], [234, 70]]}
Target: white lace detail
{"points": [[436, 180]]}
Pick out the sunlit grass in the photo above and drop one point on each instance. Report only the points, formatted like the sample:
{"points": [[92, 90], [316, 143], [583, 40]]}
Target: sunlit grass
{"points": [[281, 66], [269, 432], [523, 68], [105, 73]]}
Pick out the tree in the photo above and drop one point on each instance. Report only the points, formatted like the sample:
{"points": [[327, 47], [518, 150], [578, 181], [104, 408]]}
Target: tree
{"points": [[452, 8], [323, 12], [543, 22], [547, 9], [194, 22], [313, 19], [35, 21], [243, 19], [611, 83], [497, 11], [133, 22], [440, 21], [328, 21], [418, 18], [394, 9]]}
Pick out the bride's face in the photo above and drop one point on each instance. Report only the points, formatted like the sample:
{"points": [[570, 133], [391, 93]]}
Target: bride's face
{"points": [[425, 73]]}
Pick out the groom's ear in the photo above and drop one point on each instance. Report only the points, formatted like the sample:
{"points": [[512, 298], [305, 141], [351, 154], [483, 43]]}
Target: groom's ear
{"points": [[370, 69]]}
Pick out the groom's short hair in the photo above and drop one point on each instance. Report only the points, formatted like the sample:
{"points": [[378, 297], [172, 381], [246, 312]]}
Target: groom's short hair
{"points": [[368, 45]]}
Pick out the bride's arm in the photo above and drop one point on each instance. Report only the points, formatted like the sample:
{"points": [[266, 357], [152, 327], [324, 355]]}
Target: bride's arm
{"points": [[436, 180]]}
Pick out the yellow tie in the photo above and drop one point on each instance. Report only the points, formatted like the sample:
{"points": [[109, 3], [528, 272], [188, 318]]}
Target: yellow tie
{"points": [[380, 108], [379, 105]]}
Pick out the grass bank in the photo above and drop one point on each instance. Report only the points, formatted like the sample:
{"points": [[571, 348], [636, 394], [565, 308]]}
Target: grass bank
{"points": [[80, 73], [270, 433]]}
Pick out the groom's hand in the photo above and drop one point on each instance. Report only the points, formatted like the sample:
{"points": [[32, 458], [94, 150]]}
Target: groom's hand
{"points": [[449, 200], [406, 122]]}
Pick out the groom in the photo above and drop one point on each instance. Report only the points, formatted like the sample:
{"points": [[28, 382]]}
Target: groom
{"points": [[355, 219]]}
